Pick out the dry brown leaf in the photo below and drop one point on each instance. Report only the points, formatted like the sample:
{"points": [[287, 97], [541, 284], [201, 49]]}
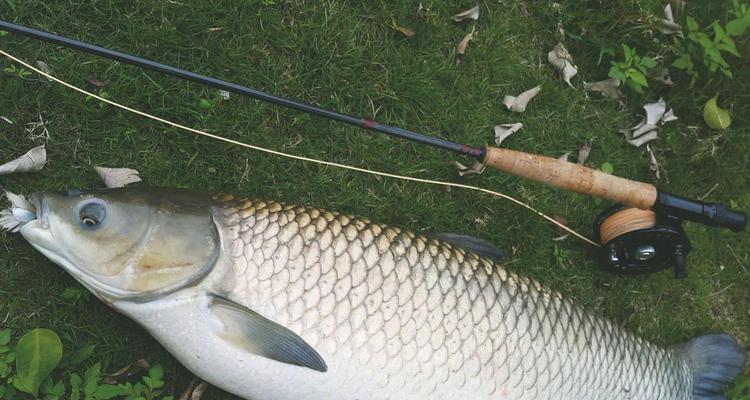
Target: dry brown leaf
{"points": [[472, 13], [6, 119], [653, 164], [583, 153], [405, 31], [462, 45], [609, 88], [32, 161], [20, 212], [518, 104], [117, 177], [214, 29], [667, 25], [123, 373], [475, 169], [660, 75], [100, 83], [224, 94], [562, 61], [43, 67], [502, 131], [194, 391]]}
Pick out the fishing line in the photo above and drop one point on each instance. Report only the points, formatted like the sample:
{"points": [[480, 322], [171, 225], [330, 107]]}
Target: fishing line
{"points": [[300, 158]]}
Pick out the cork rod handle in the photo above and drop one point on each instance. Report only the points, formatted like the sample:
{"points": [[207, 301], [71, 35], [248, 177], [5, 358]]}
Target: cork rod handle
{"points": [[570, 176]]}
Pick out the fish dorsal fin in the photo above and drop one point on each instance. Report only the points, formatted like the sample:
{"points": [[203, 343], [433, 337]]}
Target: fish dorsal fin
{"points": [[263, 337], [471, 243]]}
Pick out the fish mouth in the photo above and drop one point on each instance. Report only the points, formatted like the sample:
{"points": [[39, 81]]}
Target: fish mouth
{"points": [[40, 209]]}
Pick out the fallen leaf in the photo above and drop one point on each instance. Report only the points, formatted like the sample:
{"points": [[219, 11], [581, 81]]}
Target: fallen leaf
{"points": [[43, 67], [609, 88], [583, 153], [405, 31], [641, 129], [654, 111], [475, 169], [644, 138], [214, 29], [668, 116], [660, 75], [653, 164], [123, 373], [667, 25], [502, 131], [461, 48], [194, 391], [518, 104], [20, 212], [560, 221], [716, 117], [224, 94], [117, 177], [32, 161], [96, 81], [6, 119], [562, 61], [564, 156], [472, 13]]}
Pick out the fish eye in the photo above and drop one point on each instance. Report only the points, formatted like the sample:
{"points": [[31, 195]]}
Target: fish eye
{"points": [[92, 214]]}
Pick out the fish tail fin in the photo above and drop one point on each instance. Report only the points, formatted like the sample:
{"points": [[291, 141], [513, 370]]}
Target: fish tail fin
{"points": [[714, 361]]}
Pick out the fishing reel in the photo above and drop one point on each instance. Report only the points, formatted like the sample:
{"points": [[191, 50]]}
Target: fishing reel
{"points": [[636, 241]]}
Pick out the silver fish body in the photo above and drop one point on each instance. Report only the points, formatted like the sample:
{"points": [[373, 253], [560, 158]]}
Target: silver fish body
{"points": [[388, 314]]}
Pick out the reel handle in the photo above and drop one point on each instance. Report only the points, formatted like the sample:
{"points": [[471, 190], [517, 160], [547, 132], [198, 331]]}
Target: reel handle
{"points": [[711, 214], [580, 179], [565, 175]]}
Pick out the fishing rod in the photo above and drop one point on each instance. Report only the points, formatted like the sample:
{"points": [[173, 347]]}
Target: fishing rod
{"points": [[641, 234]]}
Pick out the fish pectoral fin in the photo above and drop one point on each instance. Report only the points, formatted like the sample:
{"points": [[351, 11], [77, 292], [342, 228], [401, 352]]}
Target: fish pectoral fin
{"points": [[471, 243], [263, 337]]}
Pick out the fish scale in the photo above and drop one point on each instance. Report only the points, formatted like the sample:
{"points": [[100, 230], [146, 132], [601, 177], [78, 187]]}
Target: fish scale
{"points": [[421, 318]]}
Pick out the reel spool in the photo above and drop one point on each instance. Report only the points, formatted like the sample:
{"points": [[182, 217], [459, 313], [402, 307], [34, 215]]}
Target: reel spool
{"points": [[639, 241]]}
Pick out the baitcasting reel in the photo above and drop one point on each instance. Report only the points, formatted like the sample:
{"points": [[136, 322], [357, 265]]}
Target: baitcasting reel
{"points": [[636, 241]]}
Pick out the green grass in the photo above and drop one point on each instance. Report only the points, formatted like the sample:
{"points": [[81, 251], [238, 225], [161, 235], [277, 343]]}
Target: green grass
{"points": [[344, 56]]}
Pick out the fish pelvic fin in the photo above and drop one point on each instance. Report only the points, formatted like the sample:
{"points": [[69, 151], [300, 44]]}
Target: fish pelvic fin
{"points": [[714, 361], [261, 336], [471, 243]]}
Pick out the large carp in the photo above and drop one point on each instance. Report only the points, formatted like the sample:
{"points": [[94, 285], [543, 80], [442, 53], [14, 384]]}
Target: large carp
{"points": [[268, 300]]}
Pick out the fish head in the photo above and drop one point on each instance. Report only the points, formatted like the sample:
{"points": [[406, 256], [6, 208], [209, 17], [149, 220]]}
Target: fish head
{"points": [[127, 243]]}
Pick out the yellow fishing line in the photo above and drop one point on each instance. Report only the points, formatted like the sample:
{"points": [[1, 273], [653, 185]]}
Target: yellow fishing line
{"points": [[300, 158]]}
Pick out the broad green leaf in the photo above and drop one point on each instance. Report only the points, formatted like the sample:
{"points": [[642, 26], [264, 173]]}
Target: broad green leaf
{"points": [[714, 116], [75, 387], [37, 353], [204, 104], [692, 24], [737, 27], [648, 62], [156, 372], [4, 337], [637, 77], [616, 73], [719, 32], [683, 62], [107, 392], [728, 45], [607, 168]]}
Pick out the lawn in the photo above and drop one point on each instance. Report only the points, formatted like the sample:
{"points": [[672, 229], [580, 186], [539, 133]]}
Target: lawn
{"points": [[345, 55]]}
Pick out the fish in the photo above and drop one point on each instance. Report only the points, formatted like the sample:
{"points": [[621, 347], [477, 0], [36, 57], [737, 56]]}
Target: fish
{"points": [[268, 300]]}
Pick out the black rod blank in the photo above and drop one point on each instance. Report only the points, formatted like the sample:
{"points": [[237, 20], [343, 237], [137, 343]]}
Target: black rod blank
{"points": [[365, 123]]}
